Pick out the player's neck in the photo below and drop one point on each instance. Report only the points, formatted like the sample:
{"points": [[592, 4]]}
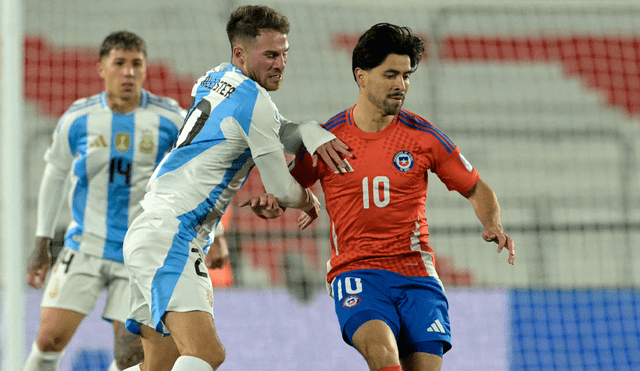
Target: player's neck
{"points": [[123, 106], [369, 119]]}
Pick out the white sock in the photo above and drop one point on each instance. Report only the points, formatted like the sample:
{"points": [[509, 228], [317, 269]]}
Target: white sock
{"points": [[132, 368], [42, 361], [114, 367], [189, 363]]}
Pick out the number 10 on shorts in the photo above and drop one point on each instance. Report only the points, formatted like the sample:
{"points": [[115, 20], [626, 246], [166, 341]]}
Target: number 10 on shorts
{"points": [[352, 286]]}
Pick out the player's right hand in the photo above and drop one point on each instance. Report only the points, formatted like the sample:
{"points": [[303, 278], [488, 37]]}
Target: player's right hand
{"points": [[264, 206], [39, 262]]}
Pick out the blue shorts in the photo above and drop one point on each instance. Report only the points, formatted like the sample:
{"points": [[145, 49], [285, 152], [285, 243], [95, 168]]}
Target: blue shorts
{"points": [[415, 308]]}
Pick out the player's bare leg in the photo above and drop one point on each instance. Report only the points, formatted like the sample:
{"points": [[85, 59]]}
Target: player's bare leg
{"points": [[195, 336], [160, 352], [421, 362], [127, 347], [57, 326], [376, 342]]}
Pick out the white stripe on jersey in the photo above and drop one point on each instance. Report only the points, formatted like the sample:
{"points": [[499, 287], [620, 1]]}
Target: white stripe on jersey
{"points": [[425, 255], [110, 158]]}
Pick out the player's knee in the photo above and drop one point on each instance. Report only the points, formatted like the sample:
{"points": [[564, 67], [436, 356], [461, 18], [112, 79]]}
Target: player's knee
{"points": [[128, 350], [129, 358], [378, 352], [49, 341]]}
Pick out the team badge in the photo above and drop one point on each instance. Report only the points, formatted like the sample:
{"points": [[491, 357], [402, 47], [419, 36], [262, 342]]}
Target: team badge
{"points": [[466, 163], [403, 161], [146, 144], [210, 297], [123, 141], [351, 301], [54, 288]]}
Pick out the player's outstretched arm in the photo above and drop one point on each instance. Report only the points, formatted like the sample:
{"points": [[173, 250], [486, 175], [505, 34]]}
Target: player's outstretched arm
{"points": [[485, 204], [39, 262], [317, 140]]}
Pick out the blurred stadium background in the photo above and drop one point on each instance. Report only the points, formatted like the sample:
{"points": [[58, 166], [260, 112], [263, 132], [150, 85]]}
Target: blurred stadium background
{"points": [[542, 97]]}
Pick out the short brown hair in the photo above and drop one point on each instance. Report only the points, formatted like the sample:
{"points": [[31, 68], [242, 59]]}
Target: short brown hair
{"points": [[383, 39], [123, 40], [249, 20]]}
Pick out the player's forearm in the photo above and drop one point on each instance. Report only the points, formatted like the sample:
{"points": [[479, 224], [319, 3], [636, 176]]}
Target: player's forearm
{"points": [[486, 206], [50, 200], [310, 134], [278, 181]]}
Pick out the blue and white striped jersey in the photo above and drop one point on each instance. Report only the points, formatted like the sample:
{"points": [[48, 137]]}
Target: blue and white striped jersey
{"points": [[110, 158], [232, 120]]}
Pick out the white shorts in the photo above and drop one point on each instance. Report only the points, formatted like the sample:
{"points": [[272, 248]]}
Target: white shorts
{"points": [[77, 280], [166, 266]]}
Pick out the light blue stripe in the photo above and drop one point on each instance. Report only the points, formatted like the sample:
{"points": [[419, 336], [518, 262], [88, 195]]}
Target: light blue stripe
{"points": [[166, 278], [167, 133], [78, 145], [119, 188]]}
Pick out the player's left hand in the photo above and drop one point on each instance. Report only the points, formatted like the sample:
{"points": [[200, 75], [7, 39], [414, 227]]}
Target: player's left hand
{"points": [[217, 256], [330, 153], [494, 234], [311, 214], [264, 206]]}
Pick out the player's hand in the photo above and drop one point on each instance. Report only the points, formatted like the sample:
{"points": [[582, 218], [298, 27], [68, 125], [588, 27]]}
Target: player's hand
{"points": [[493, 234], [311, 213], [218, 254], [330, 153], [39, 262], [264, 206]]}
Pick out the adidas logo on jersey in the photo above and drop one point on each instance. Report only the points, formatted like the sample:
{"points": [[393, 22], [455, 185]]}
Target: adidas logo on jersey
{"points": [[100, 142], [436, 327]]}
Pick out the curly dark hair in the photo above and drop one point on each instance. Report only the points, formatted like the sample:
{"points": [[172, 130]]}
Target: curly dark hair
{"points": [[383, 39], [247, 22], [123, 40]]}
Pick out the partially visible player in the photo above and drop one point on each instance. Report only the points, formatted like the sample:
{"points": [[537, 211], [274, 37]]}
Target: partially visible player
{"points": [[231, 126], [106, 147], [390, 303]]}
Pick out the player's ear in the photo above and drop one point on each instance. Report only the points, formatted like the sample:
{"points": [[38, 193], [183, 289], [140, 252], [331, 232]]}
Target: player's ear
{"points": [[100, 69], [360, 75], [239, 54]]}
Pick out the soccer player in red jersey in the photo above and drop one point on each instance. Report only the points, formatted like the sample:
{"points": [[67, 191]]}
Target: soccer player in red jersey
{"points": [[389, 300]]}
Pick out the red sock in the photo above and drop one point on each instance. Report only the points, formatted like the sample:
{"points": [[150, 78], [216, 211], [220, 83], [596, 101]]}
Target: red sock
{"points": [[392, 368]]}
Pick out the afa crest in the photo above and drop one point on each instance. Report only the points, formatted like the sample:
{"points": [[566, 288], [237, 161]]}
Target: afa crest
{"points": [[403, 161], [146, 144]]}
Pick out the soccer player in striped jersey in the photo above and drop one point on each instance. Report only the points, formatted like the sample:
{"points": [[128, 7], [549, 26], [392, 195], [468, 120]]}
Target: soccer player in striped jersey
{"points": [[231, 126], [104, 149], [390, 303]]}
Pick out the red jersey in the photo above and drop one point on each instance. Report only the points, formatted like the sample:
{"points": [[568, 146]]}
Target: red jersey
{"points": [[377, 212]]}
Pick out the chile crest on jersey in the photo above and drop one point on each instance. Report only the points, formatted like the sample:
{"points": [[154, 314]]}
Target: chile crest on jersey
{"points": [[403, 161]]}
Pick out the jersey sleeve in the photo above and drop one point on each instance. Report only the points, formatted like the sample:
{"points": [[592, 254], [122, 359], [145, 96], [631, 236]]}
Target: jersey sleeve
{"points": [[301, 168], [60, 153], [263, 136], [455, 171], [50, 200], [296, 135]]}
